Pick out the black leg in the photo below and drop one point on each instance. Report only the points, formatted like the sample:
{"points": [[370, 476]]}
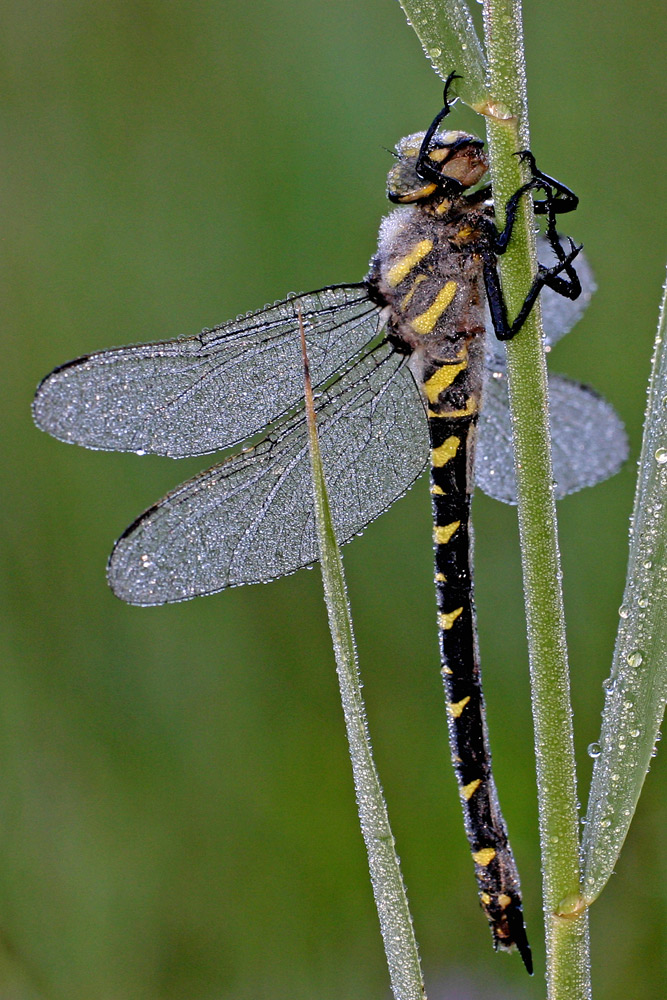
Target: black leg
{"points": [[571, 288], [494, 296], [423, 168], [559, 199], [501, 239], [482, 194], [561, 278]]}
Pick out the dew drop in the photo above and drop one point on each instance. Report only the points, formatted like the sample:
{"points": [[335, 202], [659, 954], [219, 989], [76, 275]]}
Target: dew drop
{"points": [[435, 53], [634, 733], [635, 659], [594, 750], [643, 601], [661, 456], [624, 611]]}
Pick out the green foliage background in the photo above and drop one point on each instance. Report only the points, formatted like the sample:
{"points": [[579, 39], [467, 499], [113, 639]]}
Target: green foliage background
{"points": [[176, 808]]}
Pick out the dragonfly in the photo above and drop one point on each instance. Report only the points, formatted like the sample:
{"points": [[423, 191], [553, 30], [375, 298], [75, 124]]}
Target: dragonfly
{"points": [[408, 367]]}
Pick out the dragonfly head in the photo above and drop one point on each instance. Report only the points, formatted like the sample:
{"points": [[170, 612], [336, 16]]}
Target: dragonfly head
{"points": [[448, 164]]}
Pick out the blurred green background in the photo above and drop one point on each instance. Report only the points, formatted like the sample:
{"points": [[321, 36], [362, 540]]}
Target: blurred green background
{"points": [[176, 810]]}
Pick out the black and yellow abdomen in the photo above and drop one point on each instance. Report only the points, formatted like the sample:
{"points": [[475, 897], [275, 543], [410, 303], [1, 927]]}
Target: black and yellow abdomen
{"points": [[428, 272], [452, 430]]}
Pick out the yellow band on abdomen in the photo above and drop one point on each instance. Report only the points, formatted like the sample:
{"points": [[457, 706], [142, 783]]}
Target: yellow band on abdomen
{"points": [[442, 379]]}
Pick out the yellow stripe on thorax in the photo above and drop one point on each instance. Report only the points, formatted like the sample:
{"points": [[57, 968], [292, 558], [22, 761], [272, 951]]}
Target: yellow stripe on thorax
{"points": [[425, 322], [442, 379], [401, 269], [444, 452], [407, 299], [443, 207], [442, 533]]}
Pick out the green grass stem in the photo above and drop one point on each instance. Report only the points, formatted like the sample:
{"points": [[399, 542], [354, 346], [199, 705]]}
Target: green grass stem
{"points": [[566, 926], [636, 691], [566, 923], [388, 888]]}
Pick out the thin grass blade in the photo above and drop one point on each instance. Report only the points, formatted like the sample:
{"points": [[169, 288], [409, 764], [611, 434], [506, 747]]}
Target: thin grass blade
{"points": [[637, 687], [390, 897], [449, 39]]}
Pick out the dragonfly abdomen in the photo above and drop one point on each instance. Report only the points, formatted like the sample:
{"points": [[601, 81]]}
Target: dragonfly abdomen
{"points": [[452, 420]]}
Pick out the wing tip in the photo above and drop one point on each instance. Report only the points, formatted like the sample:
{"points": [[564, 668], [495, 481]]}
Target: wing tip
{"points": [[47, 414]]}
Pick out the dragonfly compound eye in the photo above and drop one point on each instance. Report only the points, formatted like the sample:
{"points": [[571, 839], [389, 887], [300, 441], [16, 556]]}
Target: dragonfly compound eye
{"points": [[451, 156], [461, 158]]}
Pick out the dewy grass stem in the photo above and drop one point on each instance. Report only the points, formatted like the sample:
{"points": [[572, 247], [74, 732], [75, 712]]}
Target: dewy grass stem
{"points": [[388, 888], [566, 926]]}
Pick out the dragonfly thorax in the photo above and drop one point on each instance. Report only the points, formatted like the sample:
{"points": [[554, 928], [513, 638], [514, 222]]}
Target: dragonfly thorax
{"points": [[453, 162], [427, 272]]}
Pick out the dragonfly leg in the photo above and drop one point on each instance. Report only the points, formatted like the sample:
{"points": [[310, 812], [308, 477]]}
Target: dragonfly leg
{"points": [[549, 276], [424, 168], [559, 199], [570, 288], [561, 278], [481, 195]]}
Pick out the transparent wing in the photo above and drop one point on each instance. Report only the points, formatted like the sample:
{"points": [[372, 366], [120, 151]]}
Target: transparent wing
{"points": [[199, 394], [588, 438], [250, 519], [558, 313]]}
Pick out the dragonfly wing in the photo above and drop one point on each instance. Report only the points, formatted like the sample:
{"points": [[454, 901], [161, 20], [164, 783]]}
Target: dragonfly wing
{"points": [[588, 439], [559, 314], [199, 394], [250, 519]]}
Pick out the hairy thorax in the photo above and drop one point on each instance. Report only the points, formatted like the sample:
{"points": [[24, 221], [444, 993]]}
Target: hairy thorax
{"points": [[428, 275]]}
